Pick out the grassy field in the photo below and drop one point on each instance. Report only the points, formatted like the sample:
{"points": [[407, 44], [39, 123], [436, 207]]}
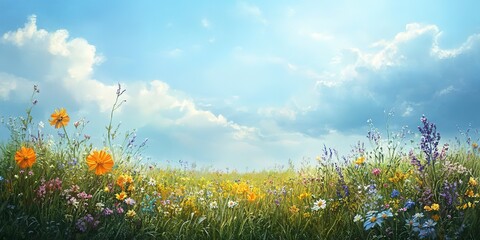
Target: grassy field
{"points": [[65, 187]]}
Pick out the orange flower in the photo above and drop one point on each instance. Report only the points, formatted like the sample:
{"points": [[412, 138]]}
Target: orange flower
{"points": [[60, 118], [121, 181], [100, 161], [251, 197], [25, 157]]}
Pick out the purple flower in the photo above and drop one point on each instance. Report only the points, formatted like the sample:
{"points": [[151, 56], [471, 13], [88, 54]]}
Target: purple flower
{"points": [[341, 182], [107, 212], [429, 140]]}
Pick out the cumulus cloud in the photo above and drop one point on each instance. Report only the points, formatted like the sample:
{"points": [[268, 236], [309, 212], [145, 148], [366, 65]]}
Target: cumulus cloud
{"points": [[410, 74]]}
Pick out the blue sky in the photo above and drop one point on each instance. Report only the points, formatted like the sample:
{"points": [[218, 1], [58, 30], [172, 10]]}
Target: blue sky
{"points": [[241, 83]]}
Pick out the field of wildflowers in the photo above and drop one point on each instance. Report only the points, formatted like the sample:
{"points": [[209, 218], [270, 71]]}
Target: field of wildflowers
{"points": [[67, 187]]}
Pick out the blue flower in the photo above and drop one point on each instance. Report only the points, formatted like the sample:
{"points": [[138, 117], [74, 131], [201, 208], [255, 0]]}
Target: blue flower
{"points": [[395, 193], [385, 214], [372, 219], [409, 204]]}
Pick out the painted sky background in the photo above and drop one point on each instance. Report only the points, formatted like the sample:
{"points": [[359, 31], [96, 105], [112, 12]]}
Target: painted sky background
{"points": [[241, 83]]}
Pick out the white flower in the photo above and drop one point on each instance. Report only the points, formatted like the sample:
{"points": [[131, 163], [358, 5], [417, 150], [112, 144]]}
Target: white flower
{"points": [[152, 182], [129, 201], [418, 215], [73, 201], [231, 204], [100, 206], [41, 125], [357, 218], [319, 204], [214, 205]]}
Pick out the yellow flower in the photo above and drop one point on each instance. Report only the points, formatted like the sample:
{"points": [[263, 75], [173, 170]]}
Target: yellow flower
{"points": [[131, 213], [25, 157], [427, 208], [469, 193], [304, 195], [360, 160], [251, 197], [106, 189], [60, 118], [472, 182], [121, 196], [475, 145], [128, 179], [100, 161], [294, 209], [306, 215], [436, 217], [131, 188], [435, 207]]}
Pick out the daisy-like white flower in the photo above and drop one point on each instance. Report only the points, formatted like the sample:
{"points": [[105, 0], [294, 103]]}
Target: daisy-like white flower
{"points": [[418, 215], [214, 205], [232, 204], [357, 218], [319, 204], [152, 182]]}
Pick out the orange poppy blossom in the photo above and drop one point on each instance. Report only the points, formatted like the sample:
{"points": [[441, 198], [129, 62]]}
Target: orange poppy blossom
{"points": [[60, 118], [25, 157], [100, 161]]}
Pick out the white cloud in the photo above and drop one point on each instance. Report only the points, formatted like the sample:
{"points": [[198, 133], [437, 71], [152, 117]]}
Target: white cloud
{"points": [[10, 83], [252, 11], [446, 91]]}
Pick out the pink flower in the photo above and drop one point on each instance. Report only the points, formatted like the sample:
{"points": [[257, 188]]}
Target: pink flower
{"points": [[376, 171], [120, 210]]}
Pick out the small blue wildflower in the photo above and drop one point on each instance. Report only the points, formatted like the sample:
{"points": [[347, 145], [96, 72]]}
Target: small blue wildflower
{"points": [[427, 230], [371, 220], [395, 193], [413, 223], [385, 214], [1, 178], [409, 204]]}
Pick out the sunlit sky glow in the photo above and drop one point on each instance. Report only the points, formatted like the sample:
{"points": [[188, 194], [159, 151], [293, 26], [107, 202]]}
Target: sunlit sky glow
{"points": [[243, 84]]}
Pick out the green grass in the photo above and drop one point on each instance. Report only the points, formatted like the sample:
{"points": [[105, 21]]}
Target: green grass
{"points": [[59, 198]]}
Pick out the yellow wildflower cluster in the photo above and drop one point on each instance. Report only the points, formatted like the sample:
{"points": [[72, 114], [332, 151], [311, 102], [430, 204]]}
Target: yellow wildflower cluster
{"points": [[124, 180], [399, 177], [294, 209], [304, 195], [189, 204], [433, 207], [468, 205]]}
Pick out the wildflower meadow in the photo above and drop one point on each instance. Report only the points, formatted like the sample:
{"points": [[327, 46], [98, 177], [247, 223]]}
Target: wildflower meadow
{"points": [[69, 187]]}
